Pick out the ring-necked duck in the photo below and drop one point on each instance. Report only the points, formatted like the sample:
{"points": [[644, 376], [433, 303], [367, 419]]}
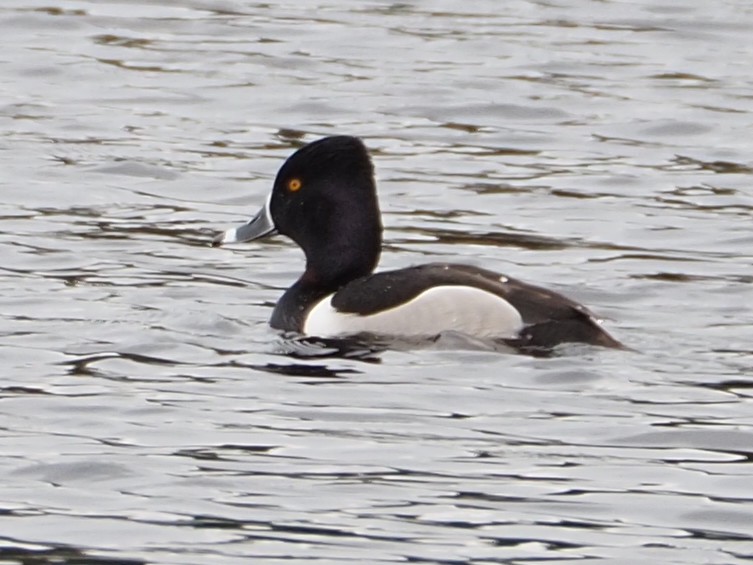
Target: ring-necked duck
{"points": [[324, 198]]}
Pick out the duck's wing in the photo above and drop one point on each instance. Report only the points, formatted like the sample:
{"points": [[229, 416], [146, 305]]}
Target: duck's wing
{"points": [[549, 318]]}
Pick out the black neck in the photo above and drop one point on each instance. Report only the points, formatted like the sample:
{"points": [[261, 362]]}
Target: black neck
{"points": [[331, 268], [341, 244]]}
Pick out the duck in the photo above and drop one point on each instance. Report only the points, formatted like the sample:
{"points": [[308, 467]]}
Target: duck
{"points": [[324, 198]]}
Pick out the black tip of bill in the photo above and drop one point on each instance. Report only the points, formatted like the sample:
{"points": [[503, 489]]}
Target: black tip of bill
{"points": [[218, 240]]}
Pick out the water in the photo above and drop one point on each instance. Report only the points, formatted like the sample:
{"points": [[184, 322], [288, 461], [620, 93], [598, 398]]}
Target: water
{"points": [[148, 413]]}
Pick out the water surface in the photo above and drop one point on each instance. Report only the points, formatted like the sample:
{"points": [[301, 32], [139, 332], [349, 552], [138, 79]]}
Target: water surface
{"points": [[148, 413]]}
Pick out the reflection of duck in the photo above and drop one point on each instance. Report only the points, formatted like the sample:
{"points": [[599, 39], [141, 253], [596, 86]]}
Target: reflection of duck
{"points": [[324, 198]]}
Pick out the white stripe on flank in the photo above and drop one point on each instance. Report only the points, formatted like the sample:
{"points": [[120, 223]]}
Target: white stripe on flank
{"points": [[465, 309]]}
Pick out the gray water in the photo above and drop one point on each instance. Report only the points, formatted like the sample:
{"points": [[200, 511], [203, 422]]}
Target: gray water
{"points": [[149, 415]]}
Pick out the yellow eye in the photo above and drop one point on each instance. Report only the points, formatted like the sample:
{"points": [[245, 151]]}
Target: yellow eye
{"points": [[294, 185]]}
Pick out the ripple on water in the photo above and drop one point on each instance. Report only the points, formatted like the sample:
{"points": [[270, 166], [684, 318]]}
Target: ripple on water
{"points": [[150, 415]]}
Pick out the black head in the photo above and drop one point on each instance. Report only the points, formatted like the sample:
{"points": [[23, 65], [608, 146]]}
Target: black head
{"points": [[324, 198]]}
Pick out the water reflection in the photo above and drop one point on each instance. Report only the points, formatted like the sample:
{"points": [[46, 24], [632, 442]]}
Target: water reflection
{"points": [[61, 554], [599, 148]]}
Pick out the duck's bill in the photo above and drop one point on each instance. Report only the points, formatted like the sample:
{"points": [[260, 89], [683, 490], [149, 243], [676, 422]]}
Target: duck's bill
{"points": [[259, 226]]}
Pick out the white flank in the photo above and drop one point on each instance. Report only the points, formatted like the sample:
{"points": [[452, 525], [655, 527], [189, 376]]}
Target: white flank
{"points": [[458, 308]]}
